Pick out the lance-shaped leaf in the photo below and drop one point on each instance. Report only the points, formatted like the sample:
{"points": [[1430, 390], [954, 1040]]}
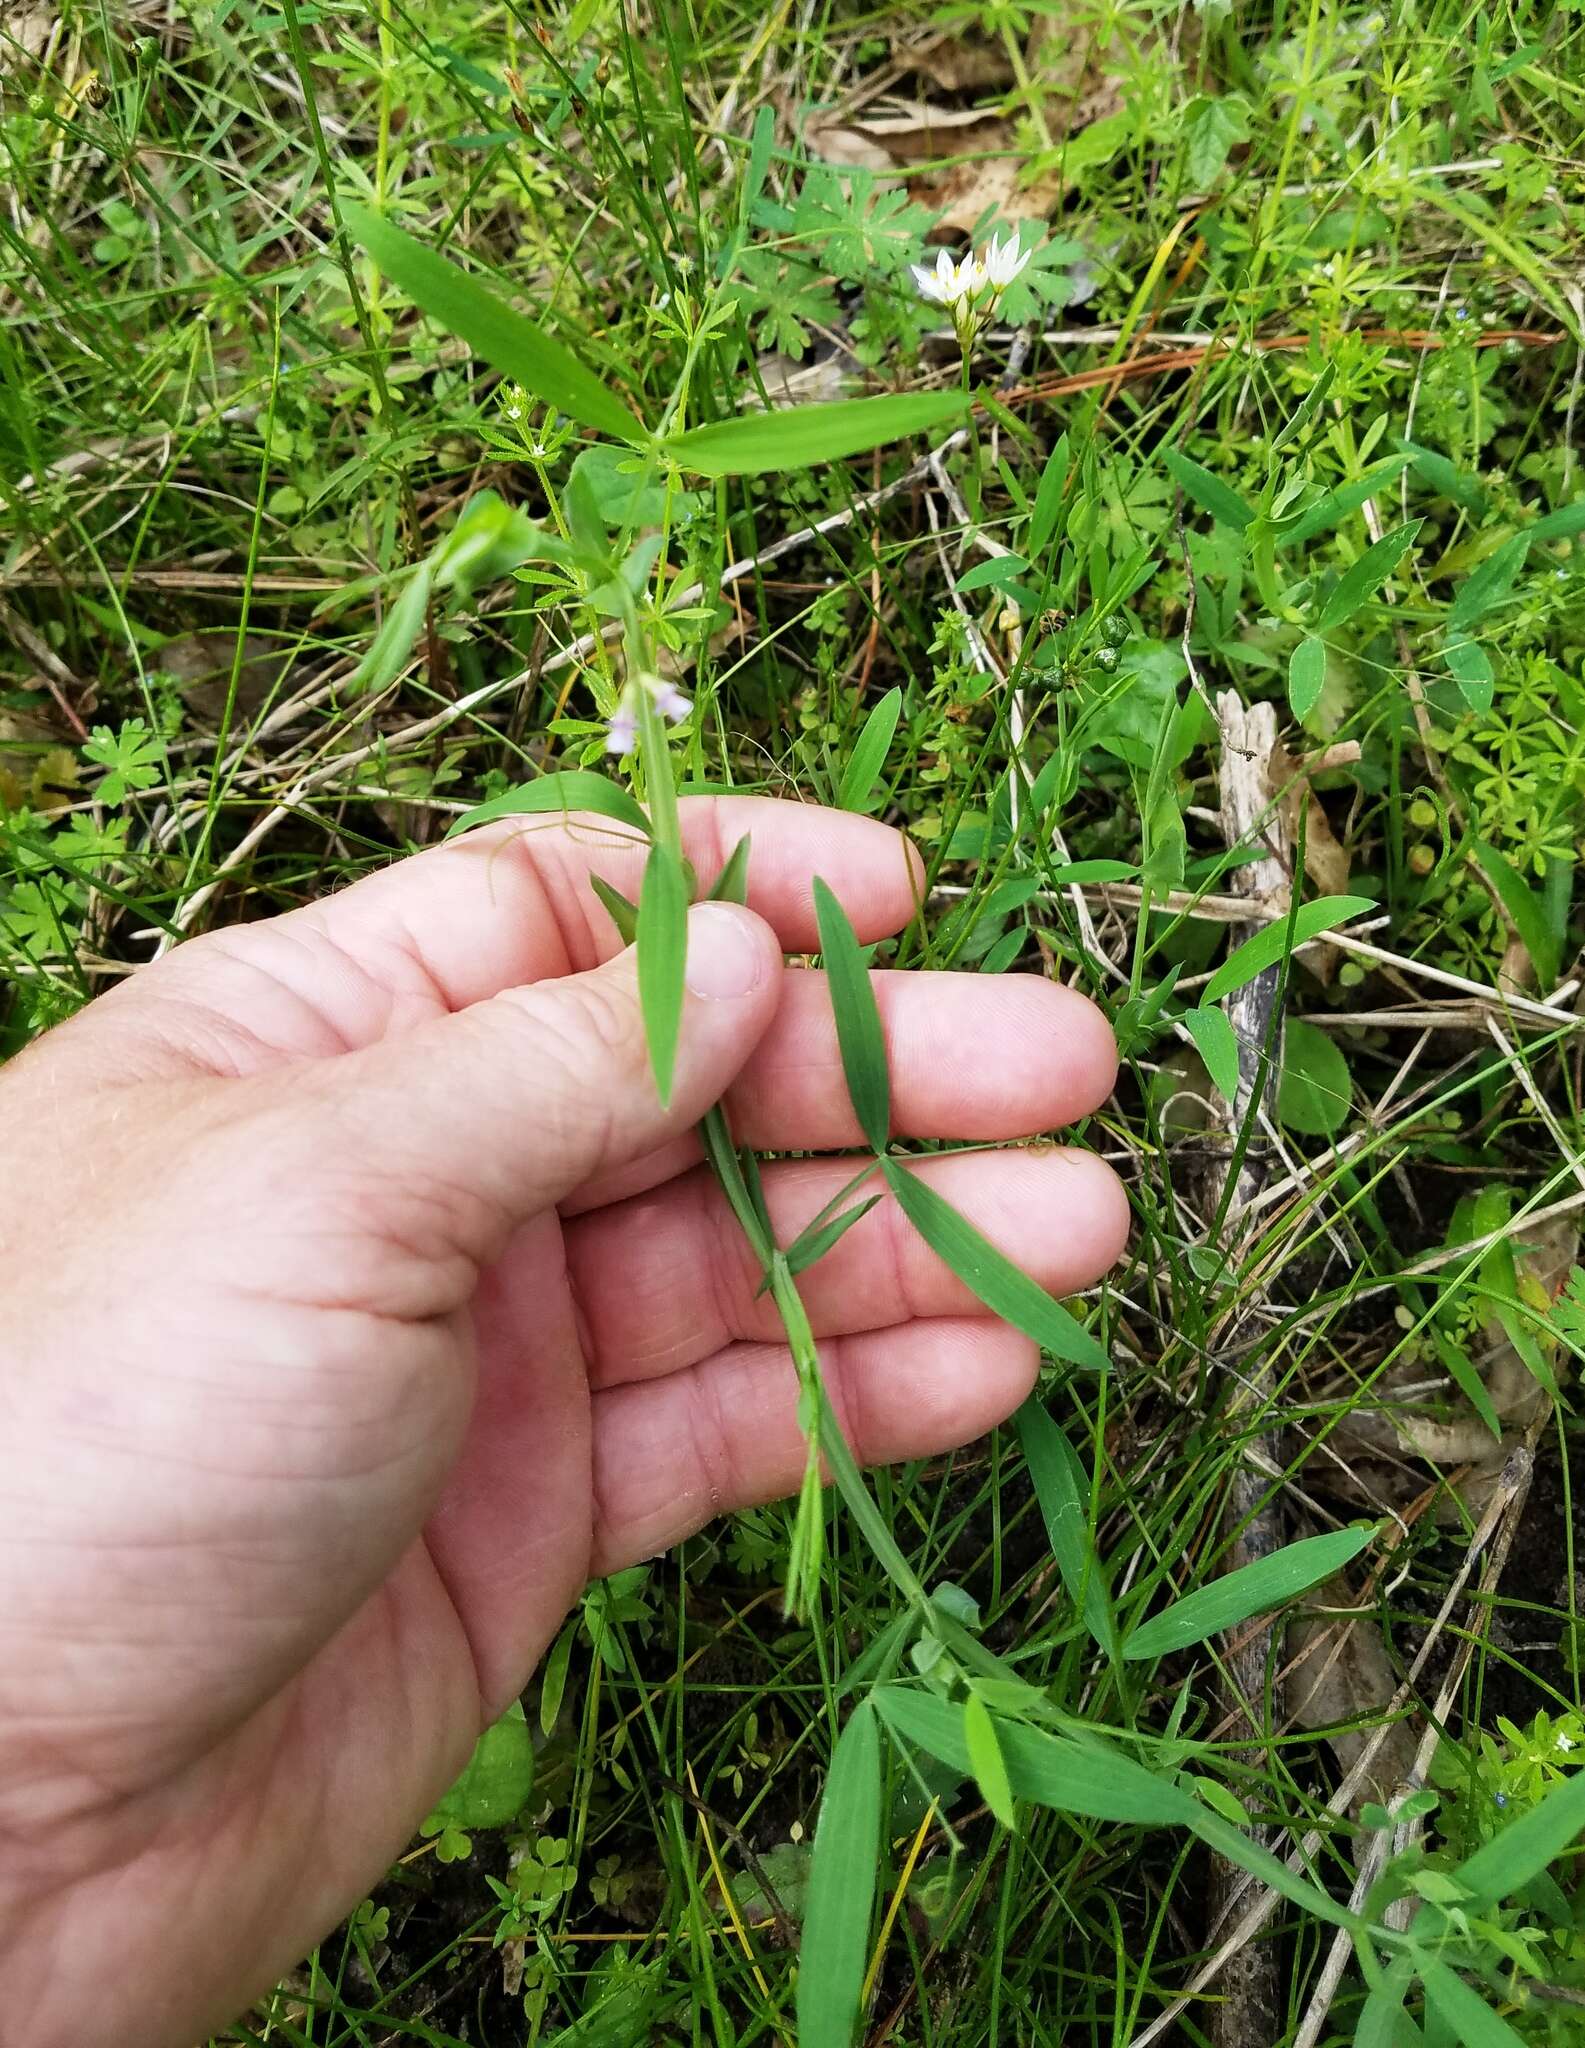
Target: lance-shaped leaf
{"points": [[841, 1888], [993, 1279], [859, 1035], [802, 436], [508, 340]]}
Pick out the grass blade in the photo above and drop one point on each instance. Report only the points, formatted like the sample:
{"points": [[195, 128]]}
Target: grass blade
{"points": [[1471, 2019], [564, 790], [1382, 2022], [996, 1281], [662, 957], [859, 1033], [805, 435], [1267, 947], [399, 629], [1268, 1582], [508, 340], [1093, 1779], [841, 1888], [1062, 1490], [869, 753]]}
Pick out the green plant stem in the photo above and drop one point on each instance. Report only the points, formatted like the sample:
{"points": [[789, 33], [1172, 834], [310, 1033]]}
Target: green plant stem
{"points": [[816, 1416]]}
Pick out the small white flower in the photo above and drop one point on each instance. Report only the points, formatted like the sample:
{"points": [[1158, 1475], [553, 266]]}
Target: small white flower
{"points": [[950, 283], [1565, 1742], [622, 734], [1002, 262], [669, 700]]}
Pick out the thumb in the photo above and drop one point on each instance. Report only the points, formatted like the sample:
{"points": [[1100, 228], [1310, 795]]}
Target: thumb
{"points": [[517, 1100]]}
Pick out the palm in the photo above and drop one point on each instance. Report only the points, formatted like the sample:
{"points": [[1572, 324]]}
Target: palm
{"points": [[409, 1404]]}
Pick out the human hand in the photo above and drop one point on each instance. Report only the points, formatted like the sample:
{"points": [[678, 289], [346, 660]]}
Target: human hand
{"points": [[362, 1303]]}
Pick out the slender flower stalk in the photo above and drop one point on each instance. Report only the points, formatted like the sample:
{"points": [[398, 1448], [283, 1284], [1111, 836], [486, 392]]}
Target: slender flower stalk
{"points": [[970, 287]]}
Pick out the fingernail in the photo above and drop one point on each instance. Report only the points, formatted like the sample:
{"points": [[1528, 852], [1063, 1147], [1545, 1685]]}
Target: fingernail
{"points": [[725, 956]]}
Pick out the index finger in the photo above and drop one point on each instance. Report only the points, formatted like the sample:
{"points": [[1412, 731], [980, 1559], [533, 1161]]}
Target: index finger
{"points": [[495, 909]]}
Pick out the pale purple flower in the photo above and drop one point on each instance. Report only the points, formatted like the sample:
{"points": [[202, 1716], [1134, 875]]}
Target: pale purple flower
{"points": [[669, 700], [622, 735]]}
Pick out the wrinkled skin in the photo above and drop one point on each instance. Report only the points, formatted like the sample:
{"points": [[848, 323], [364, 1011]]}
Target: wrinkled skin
{"points": [[362, 1303]]}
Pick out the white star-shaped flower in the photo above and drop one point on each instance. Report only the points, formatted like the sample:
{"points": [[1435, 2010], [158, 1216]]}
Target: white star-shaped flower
{"points": [[1002, 261], [951, 283]]}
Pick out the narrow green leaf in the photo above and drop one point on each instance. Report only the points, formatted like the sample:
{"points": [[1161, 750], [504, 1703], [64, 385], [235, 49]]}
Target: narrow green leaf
{"points": [[1269, 946], [399, 628], [1270, 1870], [1438, 474], [1217, 1044], [1460, 1368], [1306, 409], [565, 790], [553, 1679], [1470, 2018], [1062, 1490], [869, 753], [985, 1760], [1472, 670], [1093, 1779], [622, 912], [1048, 498], [1485, 590], [1209, 492], [1092, 871], [1528, 911], [1382, 2021], [810, 1246], [731, 885], [759, 154], [662, 958], [512, 343], [841, 1892], [1335, 507], [1562, 524], [996, 1281], [994, 574], [1528, 1845], [859, 1034], [1356, 586], [1315, 1090], [1268, 1582], [802, 436], [1306, 675]]}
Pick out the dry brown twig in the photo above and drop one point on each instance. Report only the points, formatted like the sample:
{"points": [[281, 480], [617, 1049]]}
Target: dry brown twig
{"points": [[1499, 1520], [1249, 2015]]}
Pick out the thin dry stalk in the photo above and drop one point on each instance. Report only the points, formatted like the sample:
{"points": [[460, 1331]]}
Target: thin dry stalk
{"points": [[1250, 2012]]}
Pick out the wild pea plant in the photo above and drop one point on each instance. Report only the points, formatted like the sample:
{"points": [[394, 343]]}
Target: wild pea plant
{"points": [[928, 1683]]}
